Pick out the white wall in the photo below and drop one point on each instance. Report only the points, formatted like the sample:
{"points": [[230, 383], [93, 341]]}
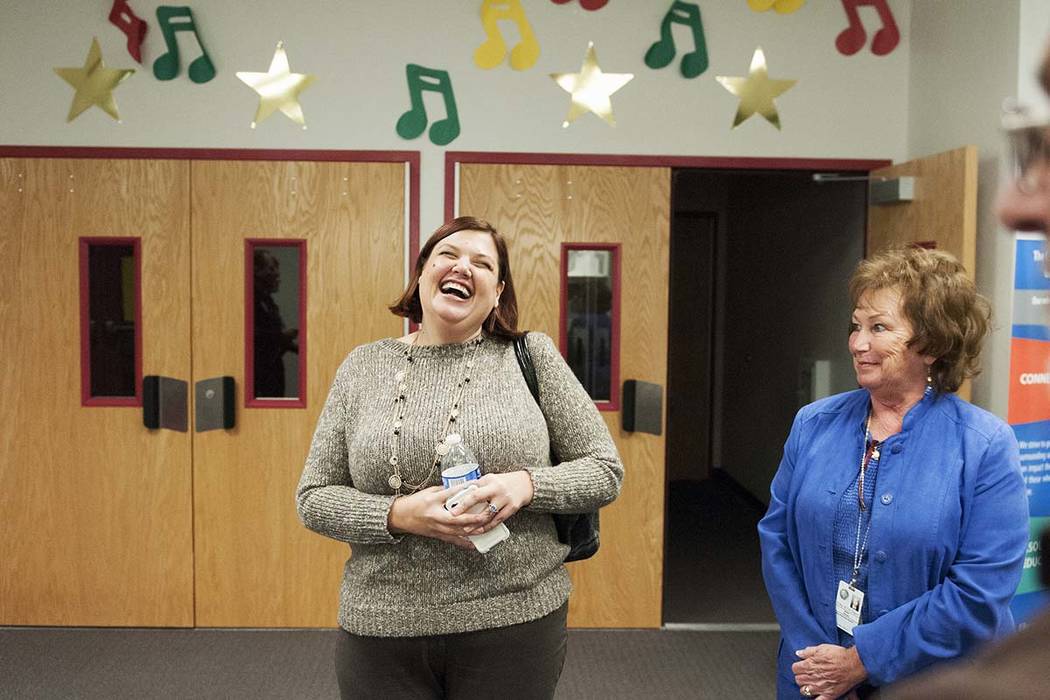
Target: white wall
{"points": [[958, 83], [967, 56], [843, 107]]}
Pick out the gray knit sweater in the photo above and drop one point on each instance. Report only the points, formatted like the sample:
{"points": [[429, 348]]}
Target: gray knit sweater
{"points": [[409, 585]]}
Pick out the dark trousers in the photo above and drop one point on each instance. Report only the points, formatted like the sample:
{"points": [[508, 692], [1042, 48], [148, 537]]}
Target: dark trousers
{"points": [[507, 663]]}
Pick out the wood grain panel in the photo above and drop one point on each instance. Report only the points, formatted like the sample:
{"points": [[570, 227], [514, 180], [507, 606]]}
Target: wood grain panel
{"points": [[96, 509], [944, 210], [256, 566], [537, 208]]}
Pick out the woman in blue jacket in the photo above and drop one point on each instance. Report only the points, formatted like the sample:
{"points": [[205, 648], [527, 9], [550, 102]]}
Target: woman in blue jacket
{"points": [[898, 520]]}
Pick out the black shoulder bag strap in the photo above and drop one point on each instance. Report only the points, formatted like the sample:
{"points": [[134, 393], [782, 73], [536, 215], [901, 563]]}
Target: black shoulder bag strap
{"points": [[578, 530]]}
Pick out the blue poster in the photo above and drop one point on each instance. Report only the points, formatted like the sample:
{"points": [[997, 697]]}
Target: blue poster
{"points": [[1029, 406]]}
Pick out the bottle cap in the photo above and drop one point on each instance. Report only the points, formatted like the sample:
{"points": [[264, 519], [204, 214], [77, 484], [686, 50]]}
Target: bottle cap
{"points": [[453, 439]]}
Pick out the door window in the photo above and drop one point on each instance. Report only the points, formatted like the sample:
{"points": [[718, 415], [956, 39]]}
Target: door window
{"points": [[110, 322], [590, 318], [275, 323]]}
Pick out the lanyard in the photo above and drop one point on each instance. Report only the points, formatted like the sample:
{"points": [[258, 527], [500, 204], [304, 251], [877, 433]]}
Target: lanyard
{"points": [[859, 548]]}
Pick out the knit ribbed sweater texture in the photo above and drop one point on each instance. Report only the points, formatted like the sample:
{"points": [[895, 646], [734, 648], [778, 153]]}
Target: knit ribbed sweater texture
{"points": [[408, 585]]}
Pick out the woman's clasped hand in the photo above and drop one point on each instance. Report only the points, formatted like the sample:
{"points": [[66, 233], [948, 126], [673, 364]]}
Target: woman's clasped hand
{"points": [[423, 513], [828, 671]]}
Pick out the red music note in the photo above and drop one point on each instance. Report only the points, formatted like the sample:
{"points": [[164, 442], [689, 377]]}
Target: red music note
{"points": [[585, 4], [126, 20], [852, 38]]}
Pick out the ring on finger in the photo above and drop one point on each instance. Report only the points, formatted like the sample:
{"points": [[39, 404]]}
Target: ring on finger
{"points": [[493, 509], [807, 691]]}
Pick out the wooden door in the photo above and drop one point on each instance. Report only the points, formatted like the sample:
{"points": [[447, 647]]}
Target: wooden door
{"points": [[943, 214], [538, 208], [256, 566], [95, 509]]}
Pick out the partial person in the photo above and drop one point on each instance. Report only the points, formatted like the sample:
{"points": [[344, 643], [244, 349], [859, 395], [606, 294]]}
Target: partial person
{"points": [[1017, 666], [423, 613], [271, 338], [899, 493]]}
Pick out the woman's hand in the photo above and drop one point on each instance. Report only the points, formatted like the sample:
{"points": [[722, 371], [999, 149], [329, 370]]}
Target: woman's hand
{"points": [[506, 494], [828, 671], [423, 513]]}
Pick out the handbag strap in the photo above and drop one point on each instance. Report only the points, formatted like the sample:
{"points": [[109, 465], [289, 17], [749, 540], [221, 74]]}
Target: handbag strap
{"points": [[528, 370]]}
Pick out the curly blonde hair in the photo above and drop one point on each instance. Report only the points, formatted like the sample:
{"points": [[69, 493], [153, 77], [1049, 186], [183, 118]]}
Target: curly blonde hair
{"points": [[950, 319]]}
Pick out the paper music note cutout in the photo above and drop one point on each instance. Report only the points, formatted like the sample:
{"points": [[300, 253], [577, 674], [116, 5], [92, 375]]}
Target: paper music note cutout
{"points": [[128, 22], [491, 53], [585, 4], [783, 7], [662, 52], [413, 122], [180, 19], [852, 38]]}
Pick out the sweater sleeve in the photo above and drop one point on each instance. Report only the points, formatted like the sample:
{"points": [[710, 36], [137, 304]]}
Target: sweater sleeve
{"points": [[589, 473], [781, 567], [968, 606], [326, 499]]}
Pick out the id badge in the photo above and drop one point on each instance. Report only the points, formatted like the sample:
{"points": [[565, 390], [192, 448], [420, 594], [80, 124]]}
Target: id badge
{"points": [[848, 603]]}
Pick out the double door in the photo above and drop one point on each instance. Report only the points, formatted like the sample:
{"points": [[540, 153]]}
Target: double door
{"points": [[106, 522]]}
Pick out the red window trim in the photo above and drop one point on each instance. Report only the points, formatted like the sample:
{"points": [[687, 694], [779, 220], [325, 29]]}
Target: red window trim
{"points": [[613, 404], [86, 398], [250, 401]]}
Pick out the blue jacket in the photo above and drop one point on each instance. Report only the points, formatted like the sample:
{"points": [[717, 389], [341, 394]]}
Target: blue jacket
{"points": [[947, 542]]}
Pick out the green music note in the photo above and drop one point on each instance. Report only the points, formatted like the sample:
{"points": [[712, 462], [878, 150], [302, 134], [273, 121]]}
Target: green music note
{"points": [[662, 52], [180, 19], [413, 122]]}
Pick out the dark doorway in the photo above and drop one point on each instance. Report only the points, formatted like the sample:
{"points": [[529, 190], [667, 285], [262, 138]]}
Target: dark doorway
{"points": [[757, 328]]}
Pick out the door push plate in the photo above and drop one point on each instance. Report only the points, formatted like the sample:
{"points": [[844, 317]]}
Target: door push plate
{"points": [[214, 404], [164, 403], [642, 407]]}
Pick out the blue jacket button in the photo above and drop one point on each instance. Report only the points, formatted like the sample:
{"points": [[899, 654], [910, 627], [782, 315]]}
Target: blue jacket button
{"points": [[880, 556], [896, 449], [887, 498]]}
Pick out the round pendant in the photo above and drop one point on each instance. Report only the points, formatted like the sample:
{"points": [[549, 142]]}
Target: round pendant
{"points": [[394, 481], [442, 449]]}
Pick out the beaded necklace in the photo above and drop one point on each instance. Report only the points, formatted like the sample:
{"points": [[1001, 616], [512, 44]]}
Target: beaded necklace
{"points": [[396, 480]]}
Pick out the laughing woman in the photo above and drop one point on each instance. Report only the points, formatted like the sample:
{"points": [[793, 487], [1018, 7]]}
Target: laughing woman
{"points": [[423, 613], [897, 522]]}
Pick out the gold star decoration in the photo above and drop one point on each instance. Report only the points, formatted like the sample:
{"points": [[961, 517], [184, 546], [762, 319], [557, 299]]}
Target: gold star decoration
{"points": [[278, 88], [756, 92], [591, 88], [94, 84]]}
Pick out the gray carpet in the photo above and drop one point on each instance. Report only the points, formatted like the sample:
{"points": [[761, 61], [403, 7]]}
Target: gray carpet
{"points": [[122, 663]]}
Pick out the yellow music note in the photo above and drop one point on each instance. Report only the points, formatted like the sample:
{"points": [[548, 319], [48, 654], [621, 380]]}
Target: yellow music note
{"points": [[491, 53]]}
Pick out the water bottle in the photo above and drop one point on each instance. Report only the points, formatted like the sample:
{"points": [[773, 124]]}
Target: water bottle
{"points": [[458, 464], [459, 467]]}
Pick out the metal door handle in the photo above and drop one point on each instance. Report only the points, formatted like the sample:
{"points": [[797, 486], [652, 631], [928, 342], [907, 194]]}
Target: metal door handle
{"points": [[214, 404], [164, 403], [642, 407]]}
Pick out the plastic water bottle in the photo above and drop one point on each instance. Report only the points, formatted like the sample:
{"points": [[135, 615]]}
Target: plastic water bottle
{"points": [[458, 464], [459, 467]]}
